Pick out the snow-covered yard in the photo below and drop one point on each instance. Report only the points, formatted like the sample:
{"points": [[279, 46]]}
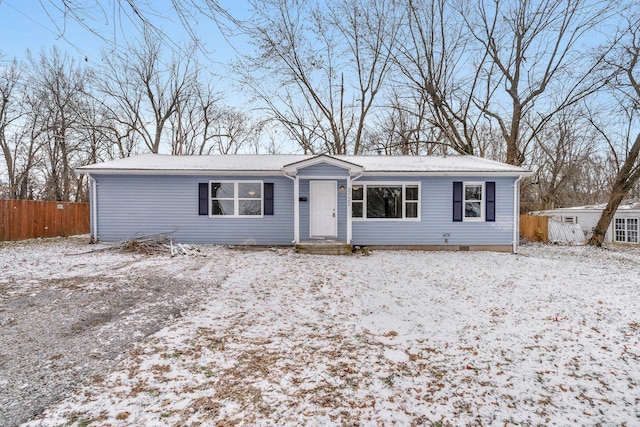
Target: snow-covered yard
{"points": [[550, 336]]}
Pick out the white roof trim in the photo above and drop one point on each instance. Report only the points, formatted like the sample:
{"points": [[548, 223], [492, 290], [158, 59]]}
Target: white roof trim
{"points": [[631, 206], [293, 168], [176, 172]]}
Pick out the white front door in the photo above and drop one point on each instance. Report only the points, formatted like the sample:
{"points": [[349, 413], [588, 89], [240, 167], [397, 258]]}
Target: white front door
{"points": [[323, 209]]}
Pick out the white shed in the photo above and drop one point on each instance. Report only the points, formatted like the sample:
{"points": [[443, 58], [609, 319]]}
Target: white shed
{"points": [[623, 228]]}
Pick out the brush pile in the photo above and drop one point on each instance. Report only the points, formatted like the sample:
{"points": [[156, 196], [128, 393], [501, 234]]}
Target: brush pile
{"points": [[152, 244]]}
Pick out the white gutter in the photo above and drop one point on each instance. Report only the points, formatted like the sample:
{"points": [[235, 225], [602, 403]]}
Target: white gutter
{"points": [[94, 206], [357, 176], [516, 213], [296, 207]]}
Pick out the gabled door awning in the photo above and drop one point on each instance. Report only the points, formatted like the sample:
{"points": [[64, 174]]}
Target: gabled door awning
{"points": [[292, 168]]}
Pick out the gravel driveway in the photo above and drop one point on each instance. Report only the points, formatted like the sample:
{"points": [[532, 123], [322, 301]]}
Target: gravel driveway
{"points": [[61, 328]]}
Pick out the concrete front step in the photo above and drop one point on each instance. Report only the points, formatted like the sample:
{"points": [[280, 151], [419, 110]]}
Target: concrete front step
{"points": [[324, 247]]}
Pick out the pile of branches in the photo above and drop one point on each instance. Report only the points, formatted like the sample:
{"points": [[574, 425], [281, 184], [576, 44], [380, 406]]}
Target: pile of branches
{"points": [[149, 244], [152, 244]]}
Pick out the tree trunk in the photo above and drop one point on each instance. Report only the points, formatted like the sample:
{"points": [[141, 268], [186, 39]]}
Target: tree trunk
{"points": [[607, 216], [626, 179]]}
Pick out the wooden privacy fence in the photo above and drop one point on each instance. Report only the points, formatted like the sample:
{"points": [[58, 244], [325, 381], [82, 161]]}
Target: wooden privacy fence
{"points": [[534, 228], [28, 219]]}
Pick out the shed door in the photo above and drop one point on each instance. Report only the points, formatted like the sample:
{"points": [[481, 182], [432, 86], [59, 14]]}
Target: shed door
{"points": [[322, 210]]}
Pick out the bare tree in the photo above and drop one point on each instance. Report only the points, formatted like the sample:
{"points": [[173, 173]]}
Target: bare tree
{"points": [[434, 59], [327, 66], [403, 127], [533, 49], [627, 92], [213, 130], [235, 130], [9, 113], [57, 87], [561, 152], [97, 134], [146, 93], [24, 144]]}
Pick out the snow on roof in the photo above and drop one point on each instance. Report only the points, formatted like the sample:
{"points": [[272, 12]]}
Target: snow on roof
{"points": [[431, 164], [274, 163], [627, 205]]}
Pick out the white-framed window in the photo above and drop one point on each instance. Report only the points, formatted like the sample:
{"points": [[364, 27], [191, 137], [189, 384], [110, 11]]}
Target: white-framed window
{"points": [[386, 201], [241, 199], [626, 230], [473, 201]]}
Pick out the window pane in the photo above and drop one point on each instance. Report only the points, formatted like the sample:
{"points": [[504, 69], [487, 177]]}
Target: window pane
{"points": [[222, 207], [472, 209], [357, 193], [356, 209], [222, 190], [411, 210], [619, 230], [250, 207], [384, 202], [632, 230], [249, 190], [473, 192], [411, 192]]}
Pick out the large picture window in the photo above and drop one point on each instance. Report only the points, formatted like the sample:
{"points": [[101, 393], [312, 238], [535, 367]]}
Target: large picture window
{"points": [[385, 201], [626, 230], [236, 198]]}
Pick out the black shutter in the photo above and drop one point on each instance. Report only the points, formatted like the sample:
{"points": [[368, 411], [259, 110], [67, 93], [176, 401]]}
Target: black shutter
{"points": [[203, 198], [490, 214], [268, 198], [457, 201]]}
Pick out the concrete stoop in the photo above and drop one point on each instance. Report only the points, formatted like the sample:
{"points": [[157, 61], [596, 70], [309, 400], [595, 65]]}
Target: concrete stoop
{"points": [[324, 247]]}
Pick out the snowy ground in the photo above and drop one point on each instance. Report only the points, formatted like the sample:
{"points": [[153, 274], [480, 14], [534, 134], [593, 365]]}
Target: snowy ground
{"points": [[550, 336]]}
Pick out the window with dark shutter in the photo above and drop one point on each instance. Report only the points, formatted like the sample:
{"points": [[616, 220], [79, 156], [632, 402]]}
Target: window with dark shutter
{"points": [[457, 201], [268, 198], [490, 188], [203, 198]]}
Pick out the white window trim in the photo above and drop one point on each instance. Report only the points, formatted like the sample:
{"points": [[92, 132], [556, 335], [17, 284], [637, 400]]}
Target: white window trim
{"points": [[625, 230], [402, 184], [236, 199], [482, 201]]}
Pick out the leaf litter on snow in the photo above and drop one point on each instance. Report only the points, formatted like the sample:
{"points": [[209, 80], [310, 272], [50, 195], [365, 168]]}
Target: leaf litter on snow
{"points": [[549, 336]]}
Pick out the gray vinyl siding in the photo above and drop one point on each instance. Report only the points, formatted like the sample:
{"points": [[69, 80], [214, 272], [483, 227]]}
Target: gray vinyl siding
{"points": [[436, 226], [323, 169], [130, 205], [304, 209]]}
